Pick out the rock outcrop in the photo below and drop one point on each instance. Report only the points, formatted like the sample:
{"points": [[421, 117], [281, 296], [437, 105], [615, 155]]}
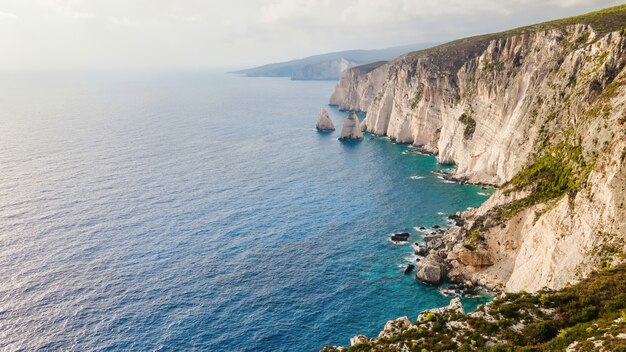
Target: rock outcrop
{"points": [[394, 326], [358, 87], [351, 129], [430, 270], [455, 306], [357, 340], [503, 108], [324, 123], [400, 237]]}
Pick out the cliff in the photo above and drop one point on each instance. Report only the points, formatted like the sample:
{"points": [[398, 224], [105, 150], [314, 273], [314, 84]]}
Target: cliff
{"points": [[539, 111]]}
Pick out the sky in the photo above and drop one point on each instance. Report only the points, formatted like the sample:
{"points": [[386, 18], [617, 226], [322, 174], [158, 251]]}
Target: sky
{"points": [[84, 34]]}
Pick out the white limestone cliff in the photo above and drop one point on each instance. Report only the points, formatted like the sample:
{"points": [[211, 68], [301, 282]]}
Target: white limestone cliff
{"points": [[489, 104]]}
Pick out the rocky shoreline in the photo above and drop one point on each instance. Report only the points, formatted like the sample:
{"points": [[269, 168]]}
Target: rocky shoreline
{"points": [[492, 105], [436, 256], [538, 112]]}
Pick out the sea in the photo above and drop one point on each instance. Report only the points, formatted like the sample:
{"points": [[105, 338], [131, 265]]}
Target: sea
{"points": [[195, 210]]}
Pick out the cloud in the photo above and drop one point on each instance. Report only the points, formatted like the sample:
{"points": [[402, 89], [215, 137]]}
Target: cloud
{"points": [[68, 8], [7, 15], [155, 33], [123, 21], [569, 3], [360, 12]]}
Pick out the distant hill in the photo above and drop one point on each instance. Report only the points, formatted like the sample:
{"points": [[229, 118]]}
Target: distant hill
{"points": [[330, 65]]}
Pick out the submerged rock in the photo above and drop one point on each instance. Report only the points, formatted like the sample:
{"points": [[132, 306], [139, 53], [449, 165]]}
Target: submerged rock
{"points": [[351, 129], [324, 123], [409, 269], [400, 237]]}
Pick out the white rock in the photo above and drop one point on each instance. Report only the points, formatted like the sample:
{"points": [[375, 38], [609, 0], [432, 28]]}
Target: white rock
{"points": [[324, 123], [393, 327], [351, 129], [419, 99], [454, 306], [359, 339]]}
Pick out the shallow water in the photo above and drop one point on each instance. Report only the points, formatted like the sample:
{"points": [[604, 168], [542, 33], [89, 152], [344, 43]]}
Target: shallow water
{"points": [[198, 210]]}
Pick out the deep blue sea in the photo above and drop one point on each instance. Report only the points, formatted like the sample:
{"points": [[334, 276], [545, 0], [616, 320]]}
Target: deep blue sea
{"points": [[195, 210]]}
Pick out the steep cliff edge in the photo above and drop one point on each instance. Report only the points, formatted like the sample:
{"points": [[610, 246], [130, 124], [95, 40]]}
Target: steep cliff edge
{"points": [[539, 111]]}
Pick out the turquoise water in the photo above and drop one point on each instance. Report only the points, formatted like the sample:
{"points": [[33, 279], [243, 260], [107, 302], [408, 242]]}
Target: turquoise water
{"points": [[201, 211]]}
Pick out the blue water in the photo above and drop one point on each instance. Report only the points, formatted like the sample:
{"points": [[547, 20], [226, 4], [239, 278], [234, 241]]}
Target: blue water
{"points": [[201, 211]]}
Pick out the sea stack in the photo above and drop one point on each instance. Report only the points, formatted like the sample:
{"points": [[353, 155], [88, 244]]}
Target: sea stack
{"points": [[351, 129], [324, 123]]}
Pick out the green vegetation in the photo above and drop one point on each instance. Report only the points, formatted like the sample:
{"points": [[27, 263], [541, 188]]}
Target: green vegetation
{"points": [[473, 240], [416, 98], [453, 55], [558, 170], [603, 106], [583, 38], [470, 125], [493, 66], [591, 314]]}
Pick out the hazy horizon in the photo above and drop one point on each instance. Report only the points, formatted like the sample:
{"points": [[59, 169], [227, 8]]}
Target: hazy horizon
{"points": [[191, 34]]}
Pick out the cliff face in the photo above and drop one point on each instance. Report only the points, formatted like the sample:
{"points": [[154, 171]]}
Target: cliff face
{"points": [[357, 88], [333, 69], [494, 104]]}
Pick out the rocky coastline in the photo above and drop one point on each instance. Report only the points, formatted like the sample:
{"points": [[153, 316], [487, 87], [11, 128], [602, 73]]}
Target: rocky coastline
{"points": [[538, 112], [508, 103]]}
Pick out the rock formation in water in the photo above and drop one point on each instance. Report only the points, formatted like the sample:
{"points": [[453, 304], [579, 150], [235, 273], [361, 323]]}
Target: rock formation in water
{"points": [[351, 129], [324, 123], [538, 111]]}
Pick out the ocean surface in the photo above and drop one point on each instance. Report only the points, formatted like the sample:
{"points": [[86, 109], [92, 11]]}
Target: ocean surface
{"points": [[186, 210]]}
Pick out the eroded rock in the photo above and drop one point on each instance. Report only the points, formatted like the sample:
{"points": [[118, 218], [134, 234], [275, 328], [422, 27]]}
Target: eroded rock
{"points": [[324, 122], [351, 129]]}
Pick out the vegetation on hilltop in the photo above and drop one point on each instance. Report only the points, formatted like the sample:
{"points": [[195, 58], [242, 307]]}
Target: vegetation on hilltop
{"points": [[452, 55], [367, 68]]}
